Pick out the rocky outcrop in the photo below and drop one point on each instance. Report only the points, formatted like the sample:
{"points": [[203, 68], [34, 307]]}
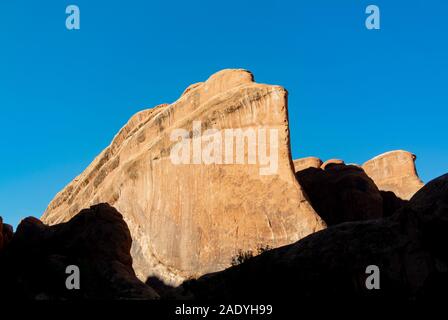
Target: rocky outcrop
{"points": [[331, 162], [2, 240], [341, 193], [96, 240], [191, 218], [6, 233], [395, 171], [409, 249], [305, 163]]}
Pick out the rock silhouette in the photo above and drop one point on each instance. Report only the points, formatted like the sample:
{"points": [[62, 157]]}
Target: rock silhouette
{"points": [[6, 233], [191, 219], [341, 193], [409, 249], [97, 241]]}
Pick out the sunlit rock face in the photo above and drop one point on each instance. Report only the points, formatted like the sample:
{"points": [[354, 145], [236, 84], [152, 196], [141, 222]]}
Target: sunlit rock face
{"points": [[395, 171], [305, 163], [189, 219]]}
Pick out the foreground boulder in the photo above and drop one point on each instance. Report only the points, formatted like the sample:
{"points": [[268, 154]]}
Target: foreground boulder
{"points": [[409, 248], [190, 219], [96, 240]]}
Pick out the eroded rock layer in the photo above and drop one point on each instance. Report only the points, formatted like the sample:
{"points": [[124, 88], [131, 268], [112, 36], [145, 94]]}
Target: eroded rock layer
{"points": [[190, 219]]}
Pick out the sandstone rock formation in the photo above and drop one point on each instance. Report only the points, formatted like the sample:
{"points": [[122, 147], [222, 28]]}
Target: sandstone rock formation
{"points": [[190, 219], [1, 235], [395, 171], [305, 163], [341, 193], [6, 233], [409, 249], [96, 240], [331, 162]]}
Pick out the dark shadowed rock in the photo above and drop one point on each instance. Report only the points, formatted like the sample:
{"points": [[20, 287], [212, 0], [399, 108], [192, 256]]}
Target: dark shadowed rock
{"points": [[1, 234], [6, 233], [341, 193], [409, 248], [391, 203], [158, 285], [97, 240]]}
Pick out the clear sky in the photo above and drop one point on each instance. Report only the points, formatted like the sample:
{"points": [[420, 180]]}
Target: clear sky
{"points": [[354, 93]]}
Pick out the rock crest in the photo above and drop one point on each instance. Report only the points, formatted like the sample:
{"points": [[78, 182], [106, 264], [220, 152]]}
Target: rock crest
{"points": [[188, 220]]}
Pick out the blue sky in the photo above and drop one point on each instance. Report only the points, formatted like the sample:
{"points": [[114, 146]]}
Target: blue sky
{"points": [[354, 93]]}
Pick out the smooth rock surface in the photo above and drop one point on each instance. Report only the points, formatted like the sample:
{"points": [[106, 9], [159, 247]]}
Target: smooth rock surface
{"points": [[395, 171], [305, 163], [189, 220]]}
